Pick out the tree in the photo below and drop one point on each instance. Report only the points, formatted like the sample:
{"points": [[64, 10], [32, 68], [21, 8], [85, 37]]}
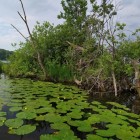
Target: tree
{"points": [[32, 40], [75, 16]]}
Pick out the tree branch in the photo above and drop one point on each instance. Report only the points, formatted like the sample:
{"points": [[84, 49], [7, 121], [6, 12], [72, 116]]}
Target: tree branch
{"points": [[21, 17], [19, 32]]}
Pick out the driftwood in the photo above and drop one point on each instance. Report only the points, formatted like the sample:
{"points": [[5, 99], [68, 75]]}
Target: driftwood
{"points": [[136, 66], [78, 82]]}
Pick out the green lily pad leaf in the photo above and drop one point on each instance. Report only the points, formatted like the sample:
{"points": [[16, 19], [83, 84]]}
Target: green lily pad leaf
{"points": [[16, 101], [75, 115], [2, 114], [1, 123], [106, 133], [14, 109], [26, 115], [95, 137], [50, 137], [62, 135], [74, 123], [96, 109], [44, 110], [11, 131], [120, 112], [122, 117], [14, 104], [28, 109], [85, 128], [51, 117], [133, 115], [118, 105], [113, 126], [96, 103], [95, 118], [2, 120], [60, 126], [25, 129], [124, 135], [14, 123], [40, 118]]}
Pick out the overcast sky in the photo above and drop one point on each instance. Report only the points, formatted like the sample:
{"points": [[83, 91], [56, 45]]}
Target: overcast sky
{"points": [[47, 10]]}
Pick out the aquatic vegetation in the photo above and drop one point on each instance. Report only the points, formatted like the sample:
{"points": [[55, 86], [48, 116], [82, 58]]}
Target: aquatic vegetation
{"points": [[14, 123], [2, 120], [2, 114], [26, 115], [66, 111], [25, 129], [15, 109]]}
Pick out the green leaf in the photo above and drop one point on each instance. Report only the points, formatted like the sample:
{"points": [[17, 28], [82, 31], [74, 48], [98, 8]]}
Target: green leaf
{"points": [[14, 123], [25, 129], [95, 137], [2, 114], [14, 109], [26, 115]]}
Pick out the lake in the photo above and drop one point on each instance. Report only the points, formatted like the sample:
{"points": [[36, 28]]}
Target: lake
{"points": [[35, 110]]}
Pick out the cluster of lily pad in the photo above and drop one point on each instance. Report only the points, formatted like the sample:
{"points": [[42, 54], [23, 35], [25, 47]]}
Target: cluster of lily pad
{"points": [[66, 110]]}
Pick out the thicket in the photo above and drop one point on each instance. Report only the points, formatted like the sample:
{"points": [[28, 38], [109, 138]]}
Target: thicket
{"points": [[91, 50]]}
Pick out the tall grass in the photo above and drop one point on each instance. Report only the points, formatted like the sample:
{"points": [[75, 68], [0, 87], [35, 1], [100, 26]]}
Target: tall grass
{"points": [[59, 72]]}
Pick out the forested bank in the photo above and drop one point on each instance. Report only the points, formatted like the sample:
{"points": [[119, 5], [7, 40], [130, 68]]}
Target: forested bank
{"points": [[4, 54], [90, 49]]}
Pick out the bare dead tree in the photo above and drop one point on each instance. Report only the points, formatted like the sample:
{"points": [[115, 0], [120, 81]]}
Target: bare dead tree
{"points": [[31, 40]]}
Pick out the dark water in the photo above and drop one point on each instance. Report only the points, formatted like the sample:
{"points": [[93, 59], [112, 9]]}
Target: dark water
{"points": [[128, 98]]}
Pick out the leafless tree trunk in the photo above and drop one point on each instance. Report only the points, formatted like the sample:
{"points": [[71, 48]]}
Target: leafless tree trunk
{"points": [[114, 83], [136, 66], [32, 40]]}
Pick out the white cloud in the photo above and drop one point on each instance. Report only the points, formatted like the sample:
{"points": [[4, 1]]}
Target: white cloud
{"points": [[130, 14]]}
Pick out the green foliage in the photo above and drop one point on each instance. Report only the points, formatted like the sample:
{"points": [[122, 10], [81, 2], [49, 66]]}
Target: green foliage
{"points": [[75, 16], [59, 72], [25, 129], [14, 123]]}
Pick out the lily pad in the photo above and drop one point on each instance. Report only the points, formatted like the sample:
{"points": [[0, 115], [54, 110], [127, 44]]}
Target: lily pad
{"points": [[14, 123], [106, 133], [2, 114], [60, 126], [2, 120], [118, 105], [40, 118], [53, 118], [95, 137], [26, 115], [25, 129], [44, 110], [14, 109]]}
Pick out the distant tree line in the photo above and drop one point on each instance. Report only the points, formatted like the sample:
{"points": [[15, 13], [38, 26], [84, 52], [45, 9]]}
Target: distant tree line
{"points": [[4, 54]]}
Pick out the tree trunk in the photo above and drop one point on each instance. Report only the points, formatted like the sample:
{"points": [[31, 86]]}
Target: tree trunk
{"points": [[32, 40], [114, 83], [41, 65], [136, 66]]}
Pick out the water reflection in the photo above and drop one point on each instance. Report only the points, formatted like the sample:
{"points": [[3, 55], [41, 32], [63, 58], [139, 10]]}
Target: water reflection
{"points": [[128, 98]]}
